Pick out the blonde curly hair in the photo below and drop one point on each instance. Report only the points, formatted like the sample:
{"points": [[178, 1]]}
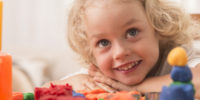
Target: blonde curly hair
{"points": [[174, 26]]}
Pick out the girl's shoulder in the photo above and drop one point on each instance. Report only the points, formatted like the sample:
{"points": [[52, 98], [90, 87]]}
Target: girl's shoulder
{"points": [[193, 52]]}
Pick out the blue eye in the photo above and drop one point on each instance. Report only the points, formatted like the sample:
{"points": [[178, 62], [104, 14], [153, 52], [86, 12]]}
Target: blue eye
{"points": [[131, 33], [103, 43]]}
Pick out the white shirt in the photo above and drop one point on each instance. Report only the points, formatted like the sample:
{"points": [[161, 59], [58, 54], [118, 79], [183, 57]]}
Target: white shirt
{"points": [[193, 53]]}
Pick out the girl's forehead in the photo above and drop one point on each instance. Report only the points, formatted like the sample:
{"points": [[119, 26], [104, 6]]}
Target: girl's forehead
{"points": [[117, 14], [112, 5], [111, 13]]}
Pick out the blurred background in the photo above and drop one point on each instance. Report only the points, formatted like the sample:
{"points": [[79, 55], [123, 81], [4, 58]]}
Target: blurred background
{"points": [[34, 33]]}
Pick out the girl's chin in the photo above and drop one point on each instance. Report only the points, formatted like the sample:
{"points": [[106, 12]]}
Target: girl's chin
{"points": [[131, 82]]}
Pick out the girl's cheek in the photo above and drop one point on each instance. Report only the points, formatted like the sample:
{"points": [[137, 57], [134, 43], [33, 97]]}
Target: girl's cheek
{"points": [[103, 59], [100, 60]]}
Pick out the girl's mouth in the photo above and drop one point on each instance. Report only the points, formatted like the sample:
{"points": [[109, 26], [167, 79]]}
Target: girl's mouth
{"points": [[129, 66]]}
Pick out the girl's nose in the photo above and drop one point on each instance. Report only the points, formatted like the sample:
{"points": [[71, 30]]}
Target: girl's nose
{"points": [[121, 51]]}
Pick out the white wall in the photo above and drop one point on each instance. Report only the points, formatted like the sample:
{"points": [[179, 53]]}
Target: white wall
{"points": [[37, 29], [191, 6]]}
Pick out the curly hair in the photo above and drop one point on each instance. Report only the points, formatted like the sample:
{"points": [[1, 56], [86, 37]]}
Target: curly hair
{"points": [[173, 26]]}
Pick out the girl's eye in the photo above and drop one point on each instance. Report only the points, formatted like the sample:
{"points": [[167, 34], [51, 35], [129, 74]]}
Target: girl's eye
{"points": [[131, 33], [103, 43]]}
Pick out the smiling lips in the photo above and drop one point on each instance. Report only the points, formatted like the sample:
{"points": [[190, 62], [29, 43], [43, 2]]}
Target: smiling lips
{"points": [[128, 66]]}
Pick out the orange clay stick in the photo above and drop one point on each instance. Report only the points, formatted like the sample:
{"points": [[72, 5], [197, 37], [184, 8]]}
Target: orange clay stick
{"points": [[5, 76], [5, 68]]}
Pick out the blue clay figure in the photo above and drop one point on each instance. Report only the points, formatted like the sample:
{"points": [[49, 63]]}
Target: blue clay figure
{"points": [[182, 87], [182, 74], [177, 92]]}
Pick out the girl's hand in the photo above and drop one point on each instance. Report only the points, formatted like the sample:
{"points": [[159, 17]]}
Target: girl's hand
{"points": [[86, 82], [99, 77], [91, 84]]}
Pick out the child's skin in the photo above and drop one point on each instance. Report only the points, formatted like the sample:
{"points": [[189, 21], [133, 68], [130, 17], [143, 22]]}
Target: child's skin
{"points": [[124, 44], [125, 47]]}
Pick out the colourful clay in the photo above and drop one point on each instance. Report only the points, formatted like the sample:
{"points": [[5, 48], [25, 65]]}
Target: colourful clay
{"points": [[17, 96], [57, 92], [28, 96]]}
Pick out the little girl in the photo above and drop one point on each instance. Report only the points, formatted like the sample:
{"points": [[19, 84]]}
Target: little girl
{"points": [[128, 41]]}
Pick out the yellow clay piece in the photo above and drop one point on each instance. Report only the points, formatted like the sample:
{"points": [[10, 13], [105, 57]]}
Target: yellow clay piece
{"points": [[177, 57]]}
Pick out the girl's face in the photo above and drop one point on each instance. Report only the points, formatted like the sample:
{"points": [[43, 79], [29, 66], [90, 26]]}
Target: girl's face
{"points": [[123, 42]]}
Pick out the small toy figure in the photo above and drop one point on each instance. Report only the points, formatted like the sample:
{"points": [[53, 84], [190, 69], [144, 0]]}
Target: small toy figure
{"points": [[182, 87]]}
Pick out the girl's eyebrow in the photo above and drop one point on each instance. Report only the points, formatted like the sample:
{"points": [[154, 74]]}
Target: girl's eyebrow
{"points": [[98, 35], [129, 22], [95, 37]]}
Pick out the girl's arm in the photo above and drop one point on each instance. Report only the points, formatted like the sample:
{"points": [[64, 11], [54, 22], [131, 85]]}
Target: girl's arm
{"points": [[196, 80], [78, 82], [81, 82], [152, 84]]}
